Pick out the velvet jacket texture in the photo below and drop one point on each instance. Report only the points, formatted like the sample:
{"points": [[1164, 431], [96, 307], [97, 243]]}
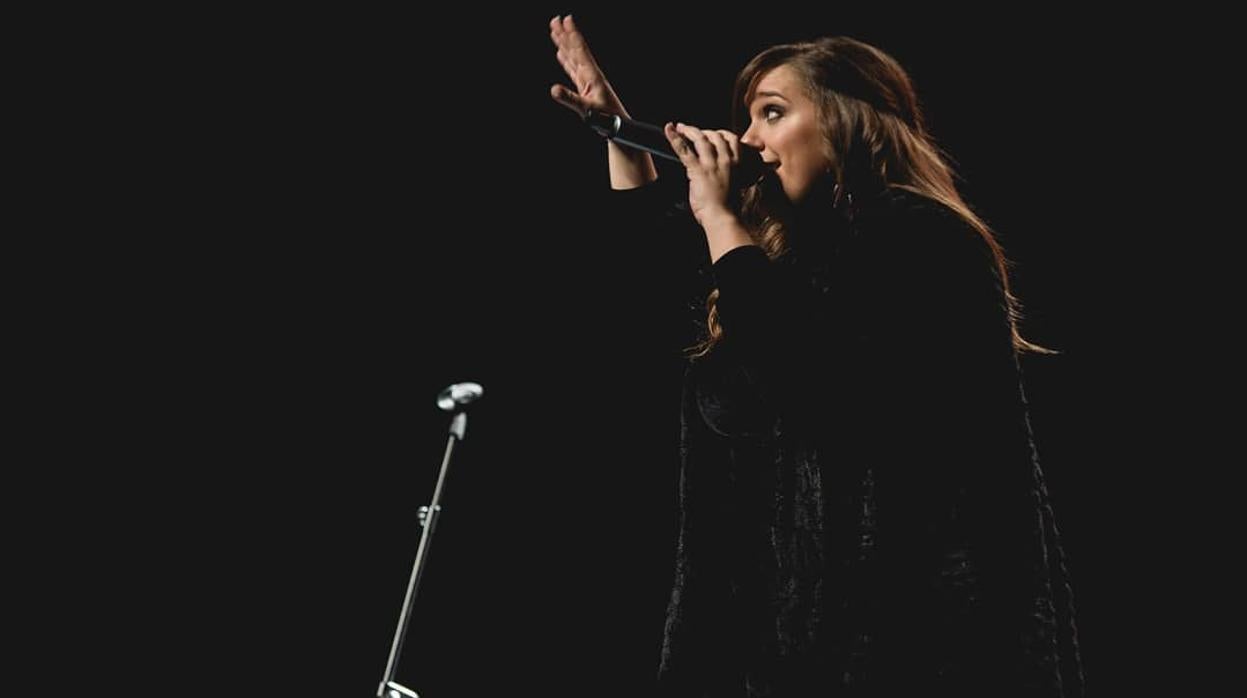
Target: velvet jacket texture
{"points": [[862, 510]]}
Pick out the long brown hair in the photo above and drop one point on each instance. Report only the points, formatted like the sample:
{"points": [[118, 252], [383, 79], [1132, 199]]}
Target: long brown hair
{"points": [[874, 135]]}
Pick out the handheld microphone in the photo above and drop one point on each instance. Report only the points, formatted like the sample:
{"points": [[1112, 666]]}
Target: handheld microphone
{"points": [[651, 139]]}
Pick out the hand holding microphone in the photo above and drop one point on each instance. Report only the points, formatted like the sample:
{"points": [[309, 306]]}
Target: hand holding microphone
{"points": [[747, 162], [719, 166]]}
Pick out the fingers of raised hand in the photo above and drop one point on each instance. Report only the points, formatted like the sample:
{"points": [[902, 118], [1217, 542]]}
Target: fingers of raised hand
{"points": [[574, 56], [571, 43], [562, 29]]}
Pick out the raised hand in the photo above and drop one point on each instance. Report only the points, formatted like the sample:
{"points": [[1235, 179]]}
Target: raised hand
{"points": [[592, 89]]}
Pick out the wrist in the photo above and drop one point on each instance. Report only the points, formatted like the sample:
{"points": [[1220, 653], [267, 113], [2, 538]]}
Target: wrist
{"points": [[718, 218], [724, 232]]}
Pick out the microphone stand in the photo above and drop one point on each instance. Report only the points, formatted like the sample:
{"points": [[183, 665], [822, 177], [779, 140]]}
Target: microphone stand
{"points": [[455, 398]]}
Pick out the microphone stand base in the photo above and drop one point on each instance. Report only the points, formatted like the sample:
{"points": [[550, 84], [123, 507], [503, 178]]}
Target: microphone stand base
{"points": [[394, 689]]}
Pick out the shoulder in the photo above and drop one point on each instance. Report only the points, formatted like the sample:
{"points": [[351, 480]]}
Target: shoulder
{"points": [[921, 246], [905, 226], [905, 216]]}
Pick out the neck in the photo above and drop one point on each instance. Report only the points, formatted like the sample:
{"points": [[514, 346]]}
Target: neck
{"points": [[824, 203]]}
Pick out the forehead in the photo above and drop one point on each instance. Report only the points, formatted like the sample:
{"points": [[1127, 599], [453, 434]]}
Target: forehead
{"points": [[781, 79]]}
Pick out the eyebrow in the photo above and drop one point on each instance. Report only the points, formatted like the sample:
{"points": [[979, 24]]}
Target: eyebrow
{"points": [[768, 93]]}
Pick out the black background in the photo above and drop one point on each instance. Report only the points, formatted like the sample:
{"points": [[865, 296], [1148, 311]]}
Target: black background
{"points": [[396, 204]]}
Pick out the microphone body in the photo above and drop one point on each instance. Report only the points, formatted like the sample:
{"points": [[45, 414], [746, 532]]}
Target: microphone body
{"points": [[650, 138]]}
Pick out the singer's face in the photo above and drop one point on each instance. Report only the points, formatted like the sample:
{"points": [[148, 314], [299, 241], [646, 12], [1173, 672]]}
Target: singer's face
{"points": [[783, 124]]}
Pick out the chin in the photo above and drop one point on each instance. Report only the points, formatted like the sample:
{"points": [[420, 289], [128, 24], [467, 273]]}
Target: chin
{"points": [[796, 194], [801, 192]]}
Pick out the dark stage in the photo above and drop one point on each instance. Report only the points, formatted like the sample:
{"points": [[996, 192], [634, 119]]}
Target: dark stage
{"points": [[429, 217]]}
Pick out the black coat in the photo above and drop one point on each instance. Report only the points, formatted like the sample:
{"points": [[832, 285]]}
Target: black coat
{"points": [[862, 510]]}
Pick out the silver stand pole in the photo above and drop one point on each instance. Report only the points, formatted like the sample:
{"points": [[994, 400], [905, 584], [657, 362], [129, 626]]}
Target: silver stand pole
{"points": [[454, 399]]}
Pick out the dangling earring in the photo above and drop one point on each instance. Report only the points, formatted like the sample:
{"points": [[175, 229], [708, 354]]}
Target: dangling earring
{"points": [[842, 201]]}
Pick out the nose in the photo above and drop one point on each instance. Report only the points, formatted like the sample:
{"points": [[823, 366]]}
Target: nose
{"points": [[750, 139]]}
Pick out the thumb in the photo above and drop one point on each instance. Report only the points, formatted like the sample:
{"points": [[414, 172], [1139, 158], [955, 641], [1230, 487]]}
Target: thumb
{"points": [[567, 98]]}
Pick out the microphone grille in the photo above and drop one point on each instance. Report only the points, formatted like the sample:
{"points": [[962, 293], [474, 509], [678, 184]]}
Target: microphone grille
{"points": [[459, 395]]}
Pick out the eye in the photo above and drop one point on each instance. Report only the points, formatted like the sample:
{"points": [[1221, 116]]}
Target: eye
{"points": [[771, 110]]}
